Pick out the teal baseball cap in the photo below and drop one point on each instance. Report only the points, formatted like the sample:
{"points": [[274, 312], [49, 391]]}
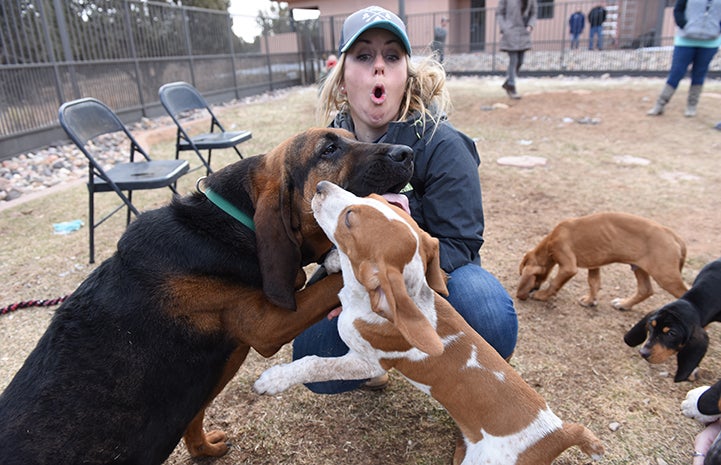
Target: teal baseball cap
{"points": [[372, 17]]}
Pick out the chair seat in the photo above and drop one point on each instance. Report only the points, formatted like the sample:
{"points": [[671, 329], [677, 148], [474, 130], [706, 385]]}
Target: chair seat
{"points": [[143, 175], [217, 140]]}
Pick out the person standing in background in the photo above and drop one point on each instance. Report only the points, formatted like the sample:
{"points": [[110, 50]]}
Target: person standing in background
{"points": [[596, 18], [438, 46], [516, 19], [697, 40], [576, 24]]}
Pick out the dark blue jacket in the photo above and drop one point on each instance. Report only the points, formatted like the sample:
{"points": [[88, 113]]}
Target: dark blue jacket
{"points": [[445, 199], [576, 23]]}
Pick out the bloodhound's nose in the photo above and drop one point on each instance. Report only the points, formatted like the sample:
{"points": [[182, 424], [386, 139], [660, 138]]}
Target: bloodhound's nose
{"points": [[400, 153]]}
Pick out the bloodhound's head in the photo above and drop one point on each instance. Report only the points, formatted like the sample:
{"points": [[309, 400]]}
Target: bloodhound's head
{"points": [[281, 184]]}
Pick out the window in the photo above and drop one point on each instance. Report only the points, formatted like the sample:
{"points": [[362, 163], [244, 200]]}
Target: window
{"points": [[545, 9]]}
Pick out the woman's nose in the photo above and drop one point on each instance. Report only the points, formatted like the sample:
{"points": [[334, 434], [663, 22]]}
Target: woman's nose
{"points": [[378, 65]]}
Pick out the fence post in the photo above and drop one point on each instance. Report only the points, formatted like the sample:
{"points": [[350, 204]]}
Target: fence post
{"points": [[267, 60], [563, 37], [186, 29], [232, 55], [62, 29], [134, 56]]}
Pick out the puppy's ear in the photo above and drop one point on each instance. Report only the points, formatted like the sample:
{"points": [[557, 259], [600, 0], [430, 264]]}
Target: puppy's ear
{"points": [[637, 334], [709, 403], [435, 276], [524, 261], [278, 245], [390, 299], [691, 354]]}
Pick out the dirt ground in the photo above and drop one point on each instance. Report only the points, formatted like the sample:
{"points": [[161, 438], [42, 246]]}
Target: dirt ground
{"points": [[601, 153]]}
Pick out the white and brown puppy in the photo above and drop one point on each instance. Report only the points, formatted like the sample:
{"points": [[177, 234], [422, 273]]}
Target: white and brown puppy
{"points": [[392, 318]]}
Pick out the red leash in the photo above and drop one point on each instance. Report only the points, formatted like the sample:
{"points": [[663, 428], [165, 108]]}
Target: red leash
{"points": [[32, 303]]}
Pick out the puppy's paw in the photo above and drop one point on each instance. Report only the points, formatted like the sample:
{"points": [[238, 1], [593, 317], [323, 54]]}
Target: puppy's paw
{"points": [[541, 295], [332, 261], [587, 301], [690, 409], [617, 303], [274, 380]]}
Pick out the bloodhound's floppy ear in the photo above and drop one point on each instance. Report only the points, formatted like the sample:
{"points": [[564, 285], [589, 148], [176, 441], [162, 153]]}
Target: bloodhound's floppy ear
{"points": [[390, 299], [429, 249], [278, 245], [638, 333], [690, 355], [435, 276]]}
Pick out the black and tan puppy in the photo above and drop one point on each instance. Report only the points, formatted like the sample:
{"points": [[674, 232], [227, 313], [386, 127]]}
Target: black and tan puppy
{"points": [[678, 327], [133, 357]]}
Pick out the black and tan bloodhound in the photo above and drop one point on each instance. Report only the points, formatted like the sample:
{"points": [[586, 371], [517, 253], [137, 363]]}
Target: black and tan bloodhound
{"points": [[133, 357]]}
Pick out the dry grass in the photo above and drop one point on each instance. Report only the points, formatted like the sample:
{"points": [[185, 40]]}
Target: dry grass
{"points": [[574, 356]]}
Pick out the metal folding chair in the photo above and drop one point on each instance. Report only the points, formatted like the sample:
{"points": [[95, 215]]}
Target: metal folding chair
{"points": [[86, 119], [180, 98]]}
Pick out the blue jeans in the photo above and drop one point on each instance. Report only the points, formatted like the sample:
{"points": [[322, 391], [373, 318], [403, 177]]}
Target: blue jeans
{"points": [[598, 32], [698, 57], [574, 39], [477, 295]]}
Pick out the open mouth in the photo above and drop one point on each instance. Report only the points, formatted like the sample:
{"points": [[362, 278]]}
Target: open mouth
{"points": [[379, 94]]}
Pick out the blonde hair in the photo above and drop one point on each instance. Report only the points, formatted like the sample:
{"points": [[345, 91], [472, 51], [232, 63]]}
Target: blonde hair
{"points": [[425, 93]]}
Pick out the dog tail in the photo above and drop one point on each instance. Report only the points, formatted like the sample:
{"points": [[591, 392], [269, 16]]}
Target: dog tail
{"points": [[682, 255], [582, 437]]}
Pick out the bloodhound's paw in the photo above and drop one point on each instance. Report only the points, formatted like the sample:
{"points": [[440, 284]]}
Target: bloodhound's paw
{"points": [[689, 406], [213, 445], [587, 301], [274, 380]]}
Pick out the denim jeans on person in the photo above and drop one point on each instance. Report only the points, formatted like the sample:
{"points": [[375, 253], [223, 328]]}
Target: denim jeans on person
{"points": [[575, 39], [598, 32], [698, 57], [477, 295]]}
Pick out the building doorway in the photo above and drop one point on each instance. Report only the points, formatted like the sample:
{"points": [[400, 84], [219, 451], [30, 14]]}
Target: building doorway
{"points": [[478, 25]]}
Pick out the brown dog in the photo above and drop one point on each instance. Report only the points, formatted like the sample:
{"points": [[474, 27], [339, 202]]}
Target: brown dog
{"points": [[600, 239], [392, 318], [134, 356]]}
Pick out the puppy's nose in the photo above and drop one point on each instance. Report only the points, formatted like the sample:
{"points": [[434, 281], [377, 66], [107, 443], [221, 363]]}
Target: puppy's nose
{"points": [[400, 153], [321, 187]]}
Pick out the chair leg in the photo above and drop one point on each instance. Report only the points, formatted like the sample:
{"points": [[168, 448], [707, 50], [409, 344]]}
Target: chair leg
{"points": [[210, 154], [129, 212], [240, 155], [91, 228]]}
